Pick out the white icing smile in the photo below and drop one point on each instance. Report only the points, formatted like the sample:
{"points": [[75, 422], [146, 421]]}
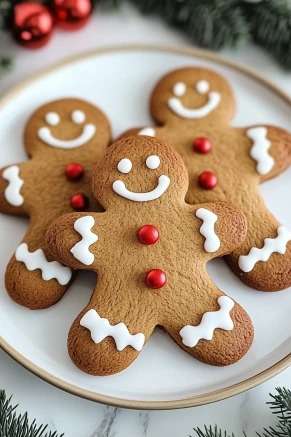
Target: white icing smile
{"points": [[202, 87], [125, 166], [53, 119]]}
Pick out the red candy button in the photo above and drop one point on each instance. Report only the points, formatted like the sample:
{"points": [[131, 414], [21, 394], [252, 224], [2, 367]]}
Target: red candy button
{"points": [[156, 278], [79, 202], [207, 180], [148, 234], [74, 171], [202, 145]]}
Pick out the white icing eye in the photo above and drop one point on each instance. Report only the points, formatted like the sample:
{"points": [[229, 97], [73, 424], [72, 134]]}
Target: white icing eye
{"points": [[202, 86], [52, 118], [78, 116], [153, 162], [179, 89], [124, 166]]}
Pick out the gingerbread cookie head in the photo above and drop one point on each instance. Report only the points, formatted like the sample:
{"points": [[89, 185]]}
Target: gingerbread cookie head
{"points": [[140, 171], [192, 94], [66, 126]]}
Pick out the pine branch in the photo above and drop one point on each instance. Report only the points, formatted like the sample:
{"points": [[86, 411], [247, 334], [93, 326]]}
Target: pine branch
{"points": [[13, 424], [209, 431], [270, 26]]}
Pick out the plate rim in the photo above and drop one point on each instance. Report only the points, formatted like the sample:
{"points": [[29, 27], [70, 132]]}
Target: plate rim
{"points": [[192, 401]]}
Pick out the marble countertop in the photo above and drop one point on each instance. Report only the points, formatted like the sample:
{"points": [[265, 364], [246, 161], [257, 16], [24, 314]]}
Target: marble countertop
{"points": [[78, 417]]}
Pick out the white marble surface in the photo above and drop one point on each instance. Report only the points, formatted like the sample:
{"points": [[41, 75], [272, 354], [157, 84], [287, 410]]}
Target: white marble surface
{"points": [[77, 417]]}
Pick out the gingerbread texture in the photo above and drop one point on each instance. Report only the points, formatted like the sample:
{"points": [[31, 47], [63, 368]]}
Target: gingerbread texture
{"points": [[193, 108], [63, 139], [150, 249]]}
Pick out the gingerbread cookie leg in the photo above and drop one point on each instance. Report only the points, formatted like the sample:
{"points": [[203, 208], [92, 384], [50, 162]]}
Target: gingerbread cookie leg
{"points": [[33, 278], [211, 327], [109, 334], [264, 259], [11, 198]]}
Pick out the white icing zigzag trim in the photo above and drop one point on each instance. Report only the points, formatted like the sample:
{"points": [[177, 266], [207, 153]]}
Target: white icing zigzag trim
{"points": [[212, 242], [259, 151], [37, 260], [271, 245], [210, 321], [81, 249], [12, 191], [101, 328]]}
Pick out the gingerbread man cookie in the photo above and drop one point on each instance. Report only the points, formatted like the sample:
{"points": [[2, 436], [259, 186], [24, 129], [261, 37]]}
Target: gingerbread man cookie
{"points": [[193, 108], [63, 139], [150, 249]]}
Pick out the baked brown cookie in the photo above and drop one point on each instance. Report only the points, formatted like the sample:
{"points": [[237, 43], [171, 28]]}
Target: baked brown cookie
{"points": [[193, 108], [63, 139], [150, 250]]}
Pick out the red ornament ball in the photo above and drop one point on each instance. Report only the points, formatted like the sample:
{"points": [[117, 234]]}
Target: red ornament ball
{"points": [[148, 234], [74, 171], [202, 145], [79, 202], [156, 278], [71, 14], [32, 24], [207, 180]]}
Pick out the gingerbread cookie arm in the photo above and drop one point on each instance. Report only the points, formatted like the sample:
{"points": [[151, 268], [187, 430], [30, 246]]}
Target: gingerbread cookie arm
{"points": [[270, 149], [222, 227], [33, 278], [109, 333], [210, 326], [11, 190], [263, 260], [73, 239]]}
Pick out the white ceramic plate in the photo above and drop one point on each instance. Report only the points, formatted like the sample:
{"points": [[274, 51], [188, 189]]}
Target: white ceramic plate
{"points": [[120, 82]]}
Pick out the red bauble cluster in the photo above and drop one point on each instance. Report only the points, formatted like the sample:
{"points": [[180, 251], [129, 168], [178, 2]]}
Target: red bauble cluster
{"points": [[33, 22]]}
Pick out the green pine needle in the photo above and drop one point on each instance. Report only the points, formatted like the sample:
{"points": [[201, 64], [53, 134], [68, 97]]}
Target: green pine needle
{"points": [[13, 424]]}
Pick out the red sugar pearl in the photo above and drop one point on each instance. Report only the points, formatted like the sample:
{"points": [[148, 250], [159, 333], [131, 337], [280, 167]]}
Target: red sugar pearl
{"points": [[74, 171], [79, 202], [156, 278], [202, 145], [148, 234], [207, 180]]}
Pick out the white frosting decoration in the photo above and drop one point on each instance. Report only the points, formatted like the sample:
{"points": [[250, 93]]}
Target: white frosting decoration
{"points": [[163, 184], [210, 321], [124, 165], [78, 116], [37, 260], [101, 328], [80, 250], [271, 245], [179, 109], [12, 191], [47, 137], [202, 86], [179, 89], [260, 149], [52, 118], [153, 162], [212, 242], [147, 131]]}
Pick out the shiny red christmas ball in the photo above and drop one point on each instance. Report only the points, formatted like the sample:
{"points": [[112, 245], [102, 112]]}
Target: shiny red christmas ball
{"points": [[74, 171], [148, 234], [79, 202], [32, 24], [71, 14], [202, 145], [207, 180], [156, 278]]}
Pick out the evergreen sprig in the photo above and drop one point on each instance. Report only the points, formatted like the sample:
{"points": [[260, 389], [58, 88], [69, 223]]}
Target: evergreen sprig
{"points": [[280, 406], [13, 424]]}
